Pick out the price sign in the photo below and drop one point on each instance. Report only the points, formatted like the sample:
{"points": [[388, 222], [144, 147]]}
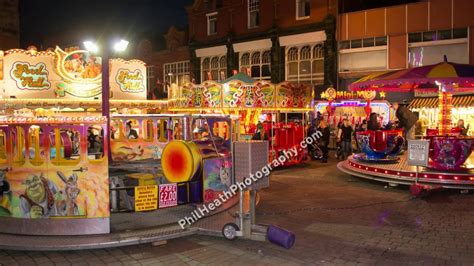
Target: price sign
{"points": [[418, 152], [168, 195], [146, 198]]}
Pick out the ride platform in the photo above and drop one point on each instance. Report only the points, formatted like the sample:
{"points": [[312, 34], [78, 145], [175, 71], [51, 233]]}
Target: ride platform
{"points": [[130, 229], [401, 173]]}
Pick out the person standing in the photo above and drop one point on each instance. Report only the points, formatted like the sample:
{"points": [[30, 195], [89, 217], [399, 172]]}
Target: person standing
{"points": [[344, 136], [324, 140], [463, 129], [407, 120]]}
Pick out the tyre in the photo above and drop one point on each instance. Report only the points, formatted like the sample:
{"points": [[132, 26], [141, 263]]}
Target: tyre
{"points": [[229, 231]]}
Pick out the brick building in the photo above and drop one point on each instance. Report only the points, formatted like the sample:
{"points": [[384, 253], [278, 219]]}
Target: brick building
{"points": [[9, 24], [404, 36], [268, 39], [167, 67]]}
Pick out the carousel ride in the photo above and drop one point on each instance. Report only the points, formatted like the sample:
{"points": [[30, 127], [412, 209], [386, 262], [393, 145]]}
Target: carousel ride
{"points": [[450, 163], [255, 103]]}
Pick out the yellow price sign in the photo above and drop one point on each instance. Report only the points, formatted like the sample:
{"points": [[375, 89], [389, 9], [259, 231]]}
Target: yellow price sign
{"points": [[146, 198]]}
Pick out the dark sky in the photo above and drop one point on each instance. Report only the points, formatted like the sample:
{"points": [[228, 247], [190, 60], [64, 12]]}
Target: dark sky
{"points": [[357, 5], [46, 23], [66, 22]]}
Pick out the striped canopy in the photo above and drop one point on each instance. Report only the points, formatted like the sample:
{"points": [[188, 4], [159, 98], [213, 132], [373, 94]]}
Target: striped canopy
{"points": [[460, 76]]}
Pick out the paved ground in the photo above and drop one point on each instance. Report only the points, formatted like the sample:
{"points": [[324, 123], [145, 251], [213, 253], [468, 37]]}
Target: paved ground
{"points": [[337, 219]]}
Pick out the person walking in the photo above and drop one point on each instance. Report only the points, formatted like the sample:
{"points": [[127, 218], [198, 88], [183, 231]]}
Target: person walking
{"points": [[324, 140], [344, 136], [407, 120]]}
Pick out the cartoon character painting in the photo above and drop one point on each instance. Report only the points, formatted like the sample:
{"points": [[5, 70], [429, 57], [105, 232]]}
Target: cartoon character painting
{"points": [[38, 200], [217, 177], [67, 206]]}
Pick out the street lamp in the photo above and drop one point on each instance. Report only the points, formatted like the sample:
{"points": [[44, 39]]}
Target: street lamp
{"points": [[118, 47]]}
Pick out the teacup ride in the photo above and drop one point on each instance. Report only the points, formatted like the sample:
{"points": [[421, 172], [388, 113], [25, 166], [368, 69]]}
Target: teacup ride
{"points": [[380, 146], [449, 152]]}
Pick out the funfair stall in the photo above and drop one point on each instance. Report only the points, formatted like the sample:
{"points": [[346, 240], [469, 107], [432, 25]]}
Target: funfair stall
{"points": [[254, 103], [450, 161], [355, 106]]}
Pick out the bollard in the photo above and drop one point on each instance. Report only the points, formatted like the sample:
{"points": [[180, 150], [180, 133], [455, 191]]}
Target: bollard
{"points": [[280, 236]]}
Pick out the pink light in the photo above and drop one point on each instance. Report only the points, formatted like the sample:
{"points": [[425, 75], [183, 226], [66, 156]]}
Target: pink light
{"points": [[411, 174], [425, 176], [456, 178], [398, 173], [440, 177]]}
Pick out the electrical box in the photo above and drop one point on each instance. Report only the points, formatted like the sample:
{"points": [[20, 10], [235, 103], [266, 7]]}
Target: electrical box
{"points": [[251, 157]]}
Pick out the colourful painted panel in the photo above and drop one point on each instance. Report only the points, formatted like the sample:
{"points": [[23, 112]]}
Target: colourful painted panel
{"points": [[217, 177]]}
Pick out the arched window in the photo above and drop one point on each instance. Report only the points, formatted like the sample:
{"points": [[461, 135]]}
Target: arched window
{"points": [[256, 64], [293, 54], [223, 67], [305, 64]]}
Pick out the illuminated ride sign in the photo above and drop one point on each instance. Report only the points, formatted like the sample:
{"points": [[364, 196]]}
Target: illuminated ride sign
{"points": [[331, 94], [30, 77], [70, 73], [130, 81]]}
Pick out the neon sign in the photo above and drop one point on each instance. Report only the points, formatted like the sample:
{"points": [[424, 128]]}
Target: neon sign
{"points": [[30, 77], [130, 81]]}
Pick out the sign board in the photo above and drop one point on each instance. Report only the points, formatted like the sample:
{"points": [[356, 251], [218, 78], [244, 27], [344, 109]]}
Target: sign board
{"points": [[168, 195], [127, 79], [70, 73], [146, 198], [418, 152]]}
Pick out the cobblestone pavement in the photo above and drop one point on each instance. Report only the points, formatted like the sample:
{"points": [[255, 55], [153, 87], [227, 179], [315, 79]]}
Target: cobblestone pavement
{"points": [[338, 220]]}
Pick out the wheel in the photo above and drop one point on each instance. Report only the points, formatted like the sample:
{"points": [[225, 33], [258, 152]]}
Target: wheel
{"points": [[229, 231]]}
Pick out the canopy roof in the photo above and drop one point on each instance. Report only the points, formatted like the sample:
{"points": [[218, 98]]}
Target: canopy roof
{"points": [[460, 76]]}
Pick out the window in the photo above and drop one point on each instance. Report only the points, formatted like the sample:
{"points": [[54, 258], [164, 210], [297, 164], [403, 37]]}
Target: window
{"points": [[214, 68], [36, 152], [18, 143], [3, 147], [305, 64], [429, 36], [95, 142], [147, 126], [177, 129], [212, 24], [61, 145], [150, 77], [302, 9], [132, 129], [253, 13], [201, 130], [363, 43], [162, 130], [256, 64], [176, 73], [116, 129]]}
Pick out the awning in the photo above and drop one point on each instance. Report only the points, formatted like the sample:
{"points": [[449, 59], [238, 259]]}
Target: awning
{"points": [[303, 38], [433, 102], [211, 51], [253, 45]]}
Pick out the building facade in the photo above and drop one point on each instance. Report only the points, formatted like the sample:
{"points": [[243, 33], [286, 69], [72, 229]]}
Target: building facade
{"points": [[167, 67], [273, 40], [404, 36], [9, 24]]}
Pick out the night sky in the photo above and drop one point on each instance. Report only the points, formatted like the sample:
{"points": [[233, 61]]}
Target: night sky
{"points": [[47, 23], [68, 22]]}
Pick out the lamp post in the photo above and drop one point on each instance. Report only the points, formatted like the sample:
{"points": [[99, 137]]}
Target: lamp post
{"points": [[118, 47]]}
